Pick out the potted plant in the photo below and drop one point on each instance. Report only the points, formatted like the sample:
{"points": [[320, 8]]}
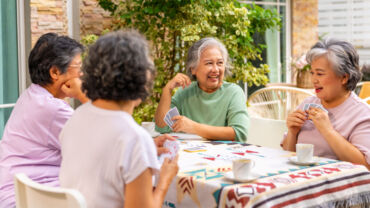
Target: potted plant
{"points": [[302, 69]]}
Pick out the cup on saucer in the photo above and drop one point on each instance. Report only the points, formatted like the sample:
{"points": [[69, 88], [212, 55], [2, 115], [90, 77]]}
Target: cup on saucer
{"points": [[242, 168], [304, 152], [148, 126]]}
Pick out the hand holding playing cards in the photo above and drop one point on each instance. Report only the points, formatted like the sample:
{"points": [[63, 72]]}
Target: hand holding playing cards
{"points": [[180, 80], [295, 121], [320, 119], [183, 124], [160, 140], [168, 170]]}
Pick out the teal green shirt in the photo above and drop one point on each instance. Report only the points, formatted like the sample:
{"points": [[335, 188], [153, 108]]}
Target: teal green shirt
{"points": [[225, 107]]}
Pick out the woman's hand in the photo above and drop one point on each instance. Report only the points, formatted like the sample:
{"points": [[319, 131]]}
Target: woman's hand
{"points": [[169, 169], [180, 80], [159, 141], [295, 121], [320, 119], [72, 88], [183, 124]]}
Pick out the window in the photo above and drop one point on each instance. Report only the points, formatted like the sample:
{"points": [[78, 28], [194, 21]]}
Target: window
{"points": [[8, 60], [347, 20], [277, 41]]}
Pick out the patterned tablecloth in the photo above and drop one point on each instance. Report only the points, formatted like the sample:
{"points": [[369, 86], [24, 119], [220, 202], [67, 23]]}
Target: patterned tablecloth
{"points": [[201, 182]]}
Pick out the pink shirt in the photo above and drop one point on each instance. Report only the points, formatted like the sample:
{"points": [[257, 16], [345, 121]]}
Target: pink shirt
{"points": [[351, 119], [30, 142]]}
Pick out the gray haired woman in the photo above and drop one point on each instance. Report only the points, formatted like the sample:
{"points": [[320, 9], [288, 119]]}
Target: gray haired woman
{"points": [[339, 127], [208, 106]]}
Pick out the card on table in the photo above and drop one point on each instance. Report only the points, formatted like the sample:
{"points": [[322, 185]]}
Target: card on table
{"points": [[173, 147], [168, 117]]}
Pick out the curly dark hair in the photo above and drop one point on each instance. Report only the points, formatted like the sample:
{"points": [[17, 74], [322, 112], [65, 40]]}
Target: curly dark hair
{"points": [[51, 50], [118, 67]]}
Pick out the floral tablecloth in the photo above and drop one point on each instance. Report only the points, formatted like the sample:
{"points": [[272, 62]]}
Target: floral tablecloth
{"points": [[201, 182]]}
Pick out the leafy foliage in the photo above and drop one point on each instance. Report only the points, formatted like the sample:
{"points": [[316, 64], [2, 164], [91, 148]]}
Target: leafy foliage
{"points": [[173, 26]]}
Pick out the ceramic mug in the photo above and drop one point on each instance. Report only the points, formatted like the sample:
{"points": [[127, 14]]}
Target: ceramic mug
{"points": [[304, 152], [242, 168], [149, 126]]}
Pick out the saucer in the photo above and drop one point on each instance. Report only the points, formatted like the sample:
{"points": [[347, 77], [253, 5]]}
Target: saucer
{"points": [[251, 177], [294, 160]]}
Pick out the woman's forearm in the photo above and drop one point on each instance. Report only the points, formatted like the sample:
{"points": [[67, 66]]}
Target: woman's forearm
{"points": [[160, 192], [163, 107], [290, 141], [343, 149], [215, 132]]}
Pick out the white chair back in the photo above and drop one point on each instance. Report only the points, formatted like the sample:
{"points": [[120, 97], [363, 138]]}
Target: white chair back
{"points": [[266, 132], [30, 194]]}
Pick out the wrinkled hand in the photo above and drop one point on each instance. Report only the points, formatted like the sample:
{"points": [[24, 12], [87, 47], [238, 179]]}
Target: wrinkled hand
{"points": [[183, 124], [180, 80], [295, 121], [320, 119], [72, 88], [159, 141], [169, 169]]}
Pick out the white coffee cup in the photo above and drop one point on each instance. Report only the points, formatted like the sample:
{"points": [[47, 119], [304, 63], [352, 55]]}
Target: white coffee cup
{"points": [[149, 126], [242, 168], [304, 152]]}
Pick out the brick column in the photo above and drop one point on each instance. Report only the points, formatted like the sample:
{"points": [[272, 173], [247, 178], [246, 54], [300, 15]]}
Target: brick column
{"points": [[48, 16]]}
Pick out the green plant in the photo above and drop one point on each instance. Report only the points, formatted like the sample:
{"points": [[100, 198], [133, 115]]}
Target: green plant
{"points": [[172, 26]]}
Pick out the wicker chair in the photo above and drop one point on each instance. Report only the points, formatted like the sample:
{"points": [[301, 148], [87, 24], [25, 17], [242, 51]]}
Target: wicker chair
{"points": [[276, 102]]}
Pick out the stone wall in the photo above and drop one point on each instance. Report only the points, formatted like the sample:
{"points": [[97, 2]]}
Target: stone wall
{"points": [[51, 16], [304, 26], [93, 19], [48, 16], [304, 30]]}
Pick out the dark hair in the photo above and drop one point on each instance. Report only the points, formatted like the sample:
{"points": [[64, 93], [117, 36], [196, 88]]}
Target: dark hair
{"points": [[118, 67], [51, 50], [343, 57]]}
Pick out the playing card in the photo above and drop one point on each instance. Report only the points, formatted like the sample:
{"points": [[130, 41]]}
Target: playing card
{"points": [[173, 147], [306, 106], [168, 117]]}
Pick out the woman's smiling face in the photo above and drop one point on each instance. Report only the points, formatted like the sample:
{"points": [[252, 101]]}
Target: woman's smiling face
{"points": [[210, 70], [329, 87]]}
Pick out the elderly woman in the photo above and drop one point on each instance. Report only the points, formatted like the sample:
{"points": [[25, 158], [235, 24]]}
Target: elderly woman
{"points": [[106, 154], [344, 131], [30, 142], [209, 106]]}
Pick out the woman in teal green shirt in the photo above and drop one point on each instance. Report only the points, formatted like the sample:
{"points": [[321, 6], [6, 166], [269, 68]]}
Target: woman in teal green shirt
{"points": [[208, 106]]}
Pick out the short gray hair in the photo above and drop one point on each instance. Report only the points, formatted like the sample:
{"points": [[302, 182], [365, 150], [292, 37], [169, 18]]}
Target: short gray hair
{"points": [[196, 50], [342, 56]]}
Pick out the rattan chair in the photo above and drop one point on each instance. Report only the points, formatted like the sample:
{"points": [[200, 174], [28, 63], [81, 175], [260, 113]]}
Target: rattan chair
{"points": [[276, 102]]}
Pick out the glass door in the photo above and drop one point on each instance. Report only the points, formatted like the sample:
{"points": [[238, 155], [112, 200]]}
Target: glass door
{"points": [[9, 89]]}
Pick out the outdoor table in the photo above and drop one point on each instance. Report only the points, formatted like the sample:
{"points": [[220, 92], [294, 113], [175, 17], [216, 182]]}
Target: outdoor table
{"points": [[201, 182]]}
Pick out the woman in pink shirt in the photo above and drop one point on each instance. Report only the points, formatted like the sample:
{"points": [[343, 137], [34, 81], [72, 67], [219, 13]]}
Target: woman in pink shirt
{"points": [[343, 132], [30, 141]]}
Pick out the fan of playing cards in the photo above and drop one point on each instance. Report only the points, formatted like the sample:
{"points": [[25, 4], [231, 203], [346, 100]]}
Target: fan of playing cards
{"points": [[173, 147], [171, 113], [307, 106]]}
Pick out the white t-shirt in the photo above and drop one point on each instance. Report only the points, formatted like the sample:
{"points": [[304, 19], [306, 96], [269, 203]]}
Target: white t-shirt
{"points": [[102, 150]]}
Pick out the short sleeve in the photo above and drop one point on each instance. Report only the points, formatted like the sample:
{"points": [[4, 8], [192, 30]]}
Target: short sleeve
{"points": [[237, 115], [138, 155]]}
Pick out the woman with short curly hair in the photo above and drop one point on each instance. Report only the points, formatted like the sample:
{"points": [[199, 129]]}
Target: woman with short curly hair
{"points": [[106, 154]]}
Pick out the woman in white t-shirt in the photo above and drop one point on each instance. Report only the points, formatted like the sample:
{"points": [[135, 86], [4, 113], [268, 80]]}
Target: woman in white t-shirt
{"points": [[106, 155]]}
